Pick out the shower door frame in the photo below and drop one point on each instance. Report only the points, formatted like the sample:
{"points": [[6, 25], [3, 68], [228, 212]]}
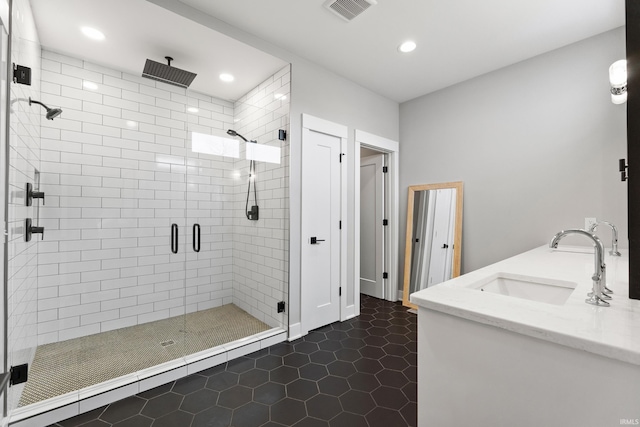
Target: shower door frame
{"points": [[5, 52]]}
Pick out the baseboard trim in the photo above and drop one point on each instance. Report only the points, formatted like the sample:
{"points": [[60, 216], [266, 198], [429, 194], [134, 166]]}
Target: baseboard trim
{"points": [[295, 331], [349, 312]]}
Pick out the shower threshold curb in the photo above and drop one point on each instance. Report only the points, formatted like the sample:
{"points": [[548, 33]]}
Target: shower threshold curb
{"points": [[89, 398]]}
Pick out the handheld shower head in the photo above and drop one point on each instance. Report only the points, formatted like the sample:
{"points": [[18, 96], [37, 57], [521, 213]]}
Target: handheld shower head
{"points": [[234, 133], [51, 112]]}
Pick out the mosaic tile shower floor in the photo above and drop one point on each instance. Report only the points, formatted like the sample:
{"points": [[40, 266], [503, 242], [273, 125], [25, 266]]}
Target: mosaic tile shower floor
{"points": [[71, 365]]}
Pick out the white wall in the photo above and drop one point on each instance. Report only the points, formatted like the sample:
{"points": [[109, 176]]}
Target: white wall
{"points": [[24, 159], [325, 95], [536, 145]]}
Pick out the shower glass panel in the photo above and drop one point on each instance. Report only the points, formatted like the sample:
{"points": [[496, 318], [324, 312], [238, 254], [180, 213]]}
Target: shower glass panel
{"points": [[23, 289], [237, 268], [4, 45], [133, 170], [109, 278]]}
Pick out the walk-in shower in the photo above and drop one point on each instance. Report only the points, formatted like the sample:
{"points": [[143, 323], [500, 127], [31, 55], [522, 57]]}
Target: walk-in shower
{"points": [[148, 264]]}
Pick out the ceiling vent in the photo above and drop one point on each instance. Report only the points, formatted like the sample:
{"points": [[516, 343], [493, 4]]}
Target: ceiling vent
{"points": [[348, 9]]}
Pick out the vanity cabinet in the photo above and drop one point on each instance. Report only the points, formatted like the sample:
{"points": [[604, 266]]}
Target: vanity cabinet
{"points": [[494, 359]]}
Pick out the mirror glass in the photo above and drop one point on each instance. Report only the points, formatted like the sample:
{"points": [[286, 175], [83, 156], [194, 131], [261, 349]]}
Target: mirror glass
{"points": [[434, 235]]}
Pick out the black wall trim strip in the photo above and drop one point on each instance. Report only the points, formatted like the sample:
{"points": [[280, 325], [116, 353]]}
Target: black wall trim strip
{"points": [[633, 143]]}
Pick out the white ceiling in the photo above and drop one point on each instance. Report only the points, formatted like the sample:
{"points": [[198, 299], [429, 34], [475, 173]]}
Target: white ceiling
{"points": [[136, 30], [457, 39]]}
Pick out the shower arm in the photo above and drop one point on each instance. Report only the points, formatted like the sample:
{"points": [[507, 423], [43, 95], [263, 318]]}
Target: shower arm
{"points": [[31, 101]]}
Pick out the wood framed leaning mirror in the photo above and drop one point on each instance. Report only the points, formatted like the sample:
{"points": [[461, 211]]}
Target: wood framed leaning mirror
{"points": [[434, 236]]}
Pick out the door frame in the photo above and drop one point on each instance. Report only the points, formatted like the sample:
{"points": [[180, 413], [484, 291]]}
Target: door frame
{"points": [[316, 124], [392, 150], [5, 24]]}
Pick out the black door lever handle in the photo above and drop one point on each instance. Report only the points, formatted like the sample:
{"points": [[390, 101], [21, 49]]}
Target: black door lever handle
{"points": [[315, 240]]}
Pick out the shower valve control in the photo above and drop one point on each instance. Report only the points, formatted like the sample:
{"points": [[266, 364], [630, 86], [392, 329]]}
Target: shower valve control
{"points": [[30, 230], [30, 194], [252, 215]]}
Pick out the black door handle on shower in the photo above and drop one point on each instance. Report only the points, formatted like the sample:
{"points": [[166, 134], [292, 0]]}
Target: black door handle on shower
{"points": [[174, 238], [196, 240], [29, 229], [315, 240]]}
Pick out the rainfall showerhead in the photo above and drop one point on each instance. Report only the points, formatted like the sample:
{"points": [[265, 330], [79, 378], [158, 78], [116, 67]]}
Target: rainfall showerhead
{"points": [[234, 133], [167, 74], [51, 112]]}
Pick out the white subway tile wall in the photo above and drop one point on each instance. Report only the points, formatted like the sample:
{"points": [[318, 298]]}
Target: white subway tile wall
{"points": [[118, 170], [24, 160], [261, 248]]}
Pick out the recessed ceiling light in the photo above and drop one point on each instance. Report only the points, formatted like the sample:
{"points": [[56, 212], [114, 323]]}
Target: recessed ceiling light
{"points": [[192, 110], [406, 47], [227, 78], [92, 33], [89, 85]]}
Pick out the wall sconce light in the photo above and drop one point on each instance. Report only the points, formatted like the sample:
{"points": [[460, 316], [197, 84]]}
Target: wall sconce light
{"points": [[618, 80]]}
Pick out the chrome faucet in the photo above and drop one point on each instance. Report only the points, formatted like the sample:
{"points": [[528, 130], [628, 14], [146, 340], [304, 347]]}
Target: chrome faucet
{"points": [[613, 252], [597, 296], [614, 236]]}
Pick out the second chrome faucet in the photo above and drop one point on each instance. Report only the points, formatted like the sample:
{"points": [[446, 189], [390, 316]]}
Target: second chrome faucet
{"points": [[614, 236], [597, 296]]}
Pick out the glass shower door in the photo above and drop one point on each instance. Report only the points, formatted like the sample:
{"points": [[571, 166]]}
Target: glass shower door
{"points": [[210, 320], [110, 277], [237, 267]]}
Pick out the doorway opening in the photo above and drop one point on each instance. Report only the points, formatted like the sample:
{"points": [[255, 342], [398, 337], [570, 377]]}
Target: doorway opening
{"points": [[376, 216]]}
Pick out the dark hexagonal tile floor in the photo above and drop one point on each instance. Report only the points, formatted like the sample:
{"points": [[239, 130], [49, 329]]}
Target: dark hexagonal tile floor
{"points": [[357, 373]]}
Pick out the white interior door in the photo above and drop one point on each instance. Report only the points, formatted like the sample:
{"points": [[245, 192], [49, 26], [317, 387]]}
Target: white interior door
{"points": [[321, 207], [371, 228]]}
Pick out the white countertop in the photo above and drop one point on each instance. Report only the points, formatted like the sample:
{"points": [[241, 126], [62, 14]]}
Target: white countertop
{"points": [[612, 332]]}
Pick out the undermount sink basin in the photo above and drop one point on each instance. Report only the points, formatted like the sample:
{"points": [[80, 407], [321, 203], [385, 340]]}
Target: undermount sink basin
{"points": [[526, 287]]}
